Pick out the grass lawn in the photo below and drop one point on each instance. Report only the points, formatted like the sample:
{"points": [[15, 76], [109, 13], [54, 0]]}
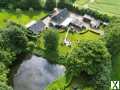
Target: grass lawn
{"points": [[22, 18], [59, 84], [74, 38], [80, 3], [116, 67], [110, 7]]}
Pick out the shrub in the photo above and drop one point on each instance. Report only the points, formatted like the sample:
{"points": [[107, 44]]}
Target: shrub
{"points": [[3, 86], [15, 38], [6, 56], [3, 73], [95, 14]]}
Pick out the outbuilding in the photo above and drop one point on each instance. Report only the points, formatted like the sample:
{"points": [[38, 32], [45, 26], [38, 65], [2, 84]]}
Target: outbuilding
{"points": [[37, 27]]}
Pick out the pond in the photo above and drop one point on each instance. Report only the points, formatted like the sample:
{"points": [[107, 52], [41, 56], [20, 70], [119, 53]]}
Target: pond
{"points": [[36, 73]]}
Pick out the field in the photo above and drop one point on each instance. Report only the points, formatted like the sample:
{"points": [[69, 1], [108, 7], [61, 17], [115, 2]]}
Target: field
{"points": [[80, 3], [110, 7], [20, 18]]}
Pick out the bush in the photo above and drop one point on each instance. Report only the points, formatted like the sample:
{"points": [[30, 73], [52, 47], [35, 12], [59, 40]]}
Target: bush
{"points": [[95, 14], [6, 56], [3, 86], [15, 38], [3, 73]]}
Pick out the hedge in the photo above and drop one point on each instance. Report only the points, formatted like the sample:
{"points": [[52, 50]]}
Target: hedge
{"points": [[83, 11]]}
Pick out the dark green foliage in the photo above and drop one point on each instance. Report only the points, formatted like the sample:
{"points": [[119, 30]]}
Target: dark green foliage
{"points": [[4, 3], [112, 36], [15, 38], [30, 46], [95, 14], [23, 4], [91, 61], [50, 4], [51, 39], [6, 56], [26, 4]]}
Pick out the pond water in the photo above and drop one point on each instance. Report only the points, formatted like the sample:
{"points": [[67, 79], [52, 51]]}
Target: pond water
{"points": [[36, 73]]}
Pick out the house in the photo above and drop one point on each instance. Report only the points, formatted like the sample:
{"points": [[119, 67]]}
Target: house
{"points": [[91, 21], [59, 18], [95, 24], [87, 18], [62, 18], [77, 24], [37, 27]]}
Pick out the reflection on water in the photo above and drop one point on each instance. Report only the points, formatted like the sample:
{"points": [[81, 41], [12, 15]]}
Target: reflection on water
{"points": [[36, 74]]}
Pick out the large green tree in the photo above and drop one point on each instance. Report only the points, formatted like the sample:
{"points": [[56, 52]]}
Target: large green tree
{"points": [[90, 61], [51, 41], [112, 36], [50, 4], [15, 38]]}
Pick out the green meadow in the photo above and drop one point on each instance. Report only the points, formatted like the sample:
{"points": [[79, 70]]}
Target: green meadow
{"points": [[110, 7]]}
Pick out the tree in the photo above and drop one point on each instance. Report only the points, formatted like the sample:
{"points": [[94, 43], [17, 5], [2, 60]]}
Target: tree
{"points": [[6, 56], [4, 3], [15, 38], [92, 62], [112, 36], [51, 41], [50, 4]]}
